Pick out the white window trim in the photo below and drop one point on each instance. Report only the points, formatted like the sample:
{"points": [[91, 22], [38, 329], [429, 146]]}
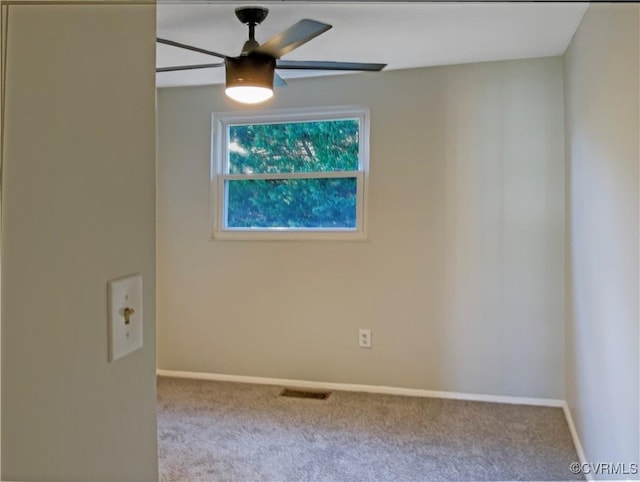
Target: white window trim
{"points": [[220, 123]]}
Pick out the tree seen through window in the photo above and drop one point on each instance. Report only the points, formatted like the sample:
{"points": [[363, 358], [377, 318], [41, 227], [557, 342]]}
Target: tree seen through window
{"points": [[311, 175]]}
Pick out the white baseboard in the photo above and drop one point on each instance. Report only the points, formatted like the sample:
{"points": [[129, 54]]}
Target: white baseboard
{"points": [[575, 437], [349, 387]]}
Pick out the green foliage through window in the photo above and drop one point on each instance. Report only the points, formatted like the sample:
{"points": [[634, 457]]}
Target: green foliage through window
{"points": [[303, 174], [292, 203], [294, 147]]}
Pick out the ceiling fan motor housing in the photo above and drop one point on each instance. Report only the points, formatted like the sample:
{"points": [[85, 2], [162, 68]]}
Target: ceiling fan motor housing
{"points": [[250, 70], [251, 15]]}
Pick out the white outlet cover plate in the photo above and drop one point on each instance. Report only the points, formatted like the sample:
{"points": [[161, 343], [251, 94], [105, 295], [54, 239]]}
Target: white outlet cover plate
{"points": [[122, 293], [364, 338]]}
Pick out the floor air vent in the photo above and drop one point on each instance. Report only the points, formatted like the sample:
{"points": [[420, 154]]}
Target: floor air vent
{"points": [[298, 393]]}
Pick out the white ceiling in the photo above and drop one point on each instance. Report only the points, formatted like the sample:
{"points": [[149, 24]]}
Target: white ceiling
{"points": [[402, 35]]}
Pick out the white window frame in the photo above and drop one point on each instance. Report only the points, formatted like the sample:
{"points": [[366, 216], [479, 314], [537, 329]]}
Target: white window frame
{"points": [[221, 121]]}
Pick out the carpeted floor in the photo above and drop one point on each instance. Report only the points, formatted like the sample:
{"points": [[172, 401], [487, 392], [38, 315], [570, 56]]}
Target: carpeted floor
{"points": [[216, 431]]}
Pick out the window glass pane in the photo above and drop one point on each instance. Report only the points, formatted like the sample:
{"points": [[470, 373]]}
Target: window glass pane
{"points": [[318, 146], [292, 203]]}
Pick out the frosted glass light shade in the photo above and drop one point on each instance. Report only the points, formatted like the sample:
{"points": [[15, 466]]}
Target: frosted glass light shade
{"points": [[249, 94]]}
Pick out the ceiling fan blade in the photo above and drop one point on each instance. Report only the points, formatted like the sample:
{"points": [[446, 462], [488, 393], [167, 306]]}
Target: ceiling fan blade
{"points": [[292, 38], [322, 65], [189, 47], [188, 67], [278, 81]]}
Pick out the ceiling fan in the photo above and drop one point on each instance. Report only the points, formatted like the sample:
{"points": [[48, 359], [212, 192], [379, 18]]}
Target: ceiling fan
{"points": [[250, 75]]}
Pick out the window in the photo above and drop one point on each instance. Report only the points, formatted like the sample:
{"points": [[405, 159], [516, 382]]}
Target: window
{"points": [[295, 174]]}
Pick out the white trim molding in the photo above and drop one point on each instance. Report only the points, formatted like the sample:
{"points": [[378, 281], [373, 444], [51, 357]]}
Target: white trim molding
{"points": [[349, 387], [576, 438]]}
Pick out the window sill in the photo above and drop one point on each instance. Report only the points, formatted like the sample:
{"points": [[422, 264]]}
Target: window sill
{"points": [[289, 236]]}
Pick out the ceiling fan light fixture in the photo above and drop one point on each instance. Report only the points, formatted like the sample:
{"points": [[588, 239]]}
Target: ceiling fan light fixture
{"points": [[249, 78]]}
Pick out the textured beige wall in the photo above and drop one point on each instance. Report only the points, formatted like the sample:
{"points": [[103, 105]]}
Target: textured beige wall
{"points": [[2, 68], [602, 135], [78, 210], [462, 280]]}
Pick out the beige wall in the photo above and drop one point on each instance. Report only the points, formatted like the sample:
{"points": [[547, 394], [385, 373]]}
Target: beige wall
{"points": [[2, 69], [462, 280], [602, 134], [78, 210]]}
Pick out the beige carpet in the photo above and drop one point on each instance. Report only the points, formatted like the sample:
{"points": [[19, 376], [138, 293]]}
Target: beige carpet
{"points": [[215, 431]]}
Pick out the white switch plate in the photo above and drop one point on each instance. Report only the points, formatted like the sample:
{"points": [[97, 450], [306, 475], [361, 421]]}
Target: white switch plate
{"points": [[124, 338]]}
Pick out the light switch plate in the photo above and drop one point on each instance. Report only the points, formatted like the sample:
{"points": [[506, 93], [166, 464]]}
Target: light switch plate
{"points": [[124, 293]]}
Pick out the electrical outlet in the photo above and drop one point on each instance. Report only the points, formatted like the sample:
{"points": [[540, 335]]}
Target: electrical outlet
{"points": [[364, 338]]}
